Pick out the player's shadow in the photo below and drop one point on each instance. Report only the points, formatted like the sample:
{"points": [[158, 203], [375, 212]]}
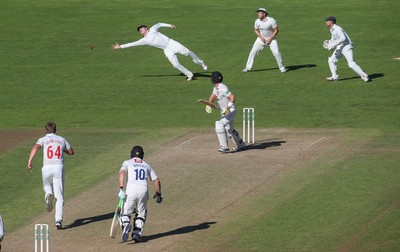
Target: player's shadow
{"points": [[196, 75], [371, 77], [88, 220], [178, 231], [263, 144], [297, 67], [288, 68]]}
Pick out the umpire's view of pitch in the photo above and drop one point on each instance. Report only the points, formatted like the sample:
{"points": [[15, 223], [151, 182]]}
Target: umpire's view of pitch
{"points": [[194, 177]]}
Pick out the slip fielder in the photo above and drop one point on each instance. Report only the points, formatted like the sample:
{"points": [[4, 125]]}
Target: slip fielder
{"points": [[266, 30]]}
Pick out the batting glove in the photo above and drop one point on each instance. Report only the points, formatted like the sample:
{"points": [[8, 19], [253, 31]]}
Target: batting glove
{"points": [[226, 111], [121, 194], [159, 197], [208, 109]]}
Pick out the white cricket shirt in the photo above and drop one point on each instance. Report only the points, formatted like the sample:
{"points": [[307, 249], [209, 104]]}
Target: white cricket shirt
{"points": [[222, 92], [339, 36], [53, 149], [266, 27], [137, 172], [153, 38]]}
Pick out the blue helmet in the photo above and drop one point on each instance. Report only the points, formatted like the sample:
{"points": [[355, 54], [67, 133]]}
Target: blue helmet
{"points": [[216, 77], [137, 151]]}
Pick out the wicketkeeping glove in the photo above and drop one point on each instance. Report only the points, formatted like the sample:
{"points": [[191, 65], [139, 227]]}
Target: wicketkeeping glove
{"points": [[121, 194], [159, 197], [325, 44]]}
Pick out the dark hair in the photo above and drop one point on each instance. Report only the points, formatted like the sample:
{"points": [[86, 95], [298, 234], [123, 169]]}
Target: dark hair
{"points": [[141, 26], [51, 127]]}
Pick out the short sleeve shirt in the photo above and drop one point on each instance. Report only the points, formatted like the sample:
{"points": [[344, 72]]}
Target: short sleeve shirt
{"points": [[266, 27], [53, 149], [222, 93], [138, 172]]}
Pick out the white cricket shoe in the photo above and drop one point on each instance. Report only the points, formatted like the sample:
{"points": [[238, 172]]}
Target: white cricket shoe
{"points": [[365, 78], [223, 149], [49, 202], [190, 78], [125, 232], [59, 224], [246, 70], [204, 66], [331, 78], [282, 69]]}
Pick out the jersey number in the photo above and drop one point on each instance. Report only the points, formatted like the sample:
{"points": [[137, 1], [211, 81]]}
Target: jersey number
{"points": [[51, 153], [140, 174]]}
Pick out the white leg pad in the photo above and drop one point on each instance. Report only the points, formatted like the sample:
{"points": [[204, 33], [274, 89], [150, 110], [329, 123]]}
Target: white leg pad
{"points": [[221, 134], [332, 61]]}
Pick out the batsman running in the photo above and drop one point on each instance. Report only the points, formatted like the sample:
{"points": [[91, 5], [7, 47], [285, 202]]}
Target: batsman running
{"points": [[135, 173], [225, 126]]}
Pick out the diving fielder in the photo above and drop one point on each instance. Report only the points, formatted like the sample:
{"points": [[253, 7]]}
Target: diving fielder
{"points": [[225, 126], [152, 37], [134, 173], [343, 46], [54, 147]]}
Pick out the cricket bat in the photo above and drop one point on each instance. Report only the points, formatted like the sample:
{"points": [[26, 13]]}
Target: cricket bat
{"points": [[212, 105], [116, 219]]}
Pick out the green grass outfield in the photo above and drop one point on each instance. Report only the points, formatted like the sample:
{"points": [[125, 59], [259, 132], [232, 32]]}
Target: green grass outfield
{"points": [[112, 98]]}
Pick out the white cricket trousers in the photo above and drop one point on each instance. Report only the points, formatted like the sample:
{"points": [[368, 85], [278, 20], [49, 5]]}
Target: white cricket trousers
{"points": [[173, 48], [258, 46], [53, 182], [347, 52], [137, 198]]}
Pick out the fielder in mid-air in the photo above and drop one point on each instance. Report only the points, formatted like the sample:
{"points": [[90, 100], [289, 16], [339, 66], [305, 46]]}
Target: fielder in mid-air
{"points": [[152, 37], [54, 147], [225, 126], [343, 47], [135, 173], [266, 30]]}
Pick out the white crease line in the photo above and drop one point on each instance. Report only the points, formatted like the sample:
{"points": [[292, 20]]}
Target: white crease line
{"points": [[314, 142], [185, 142]]}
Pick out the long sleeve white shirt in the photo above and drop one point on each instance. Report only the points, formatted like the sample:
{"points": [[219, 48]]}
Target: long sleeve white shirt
{"points": [[152, 38]]}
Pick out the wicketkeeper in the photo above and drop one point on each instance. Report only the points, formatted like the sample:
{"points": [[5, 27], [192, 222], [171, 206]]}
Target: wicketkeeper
{"points": [[343, 46]]}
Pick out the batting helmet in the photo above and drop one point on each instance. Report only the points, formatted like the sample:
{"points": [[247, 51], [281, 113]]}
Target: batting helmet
{"points": [[137, 151], [216, 77]]}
